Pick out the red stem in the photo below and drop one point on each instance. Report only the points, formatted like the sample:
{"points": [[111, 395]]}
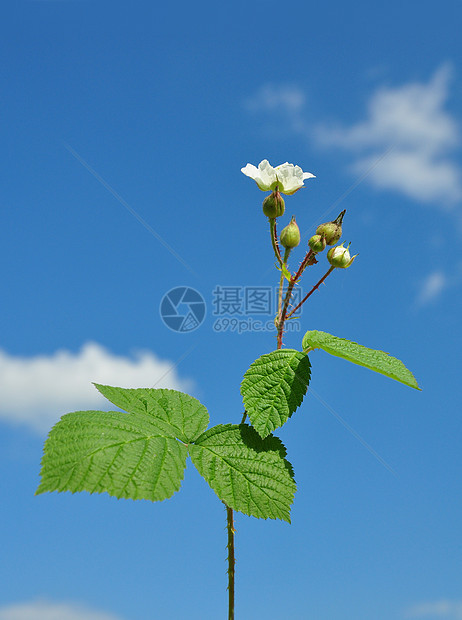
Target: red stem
{"points": [[311, 292], [310, 259]]}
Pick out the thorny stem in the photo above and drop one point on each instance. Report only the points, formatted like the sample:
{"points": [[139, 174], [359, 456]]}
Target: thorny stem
{"points": [[310, 259], [274, 241], [231, 562], [231, 557], [312, 291], [281, 283], [282, 316]]}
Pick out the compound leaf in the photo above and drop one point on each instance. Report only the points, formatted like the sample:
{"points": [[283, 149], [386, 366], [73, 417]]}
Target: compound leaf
{"points": [[379, 361], [273, 387], [248, 473]]}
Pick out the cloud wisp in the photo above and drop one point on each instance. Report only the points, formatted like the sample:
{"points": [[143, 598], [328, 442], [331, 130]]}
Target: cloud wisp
{"points": [[35, 391], [45, 610], [286, 102], [432, 287], [448, 610], [273, 98], [437, 282]]}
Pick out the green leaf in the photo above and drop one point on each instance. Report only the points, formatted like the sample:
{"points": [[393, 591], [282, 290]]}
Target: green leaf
{"points": [[379, 361], [248, 473], [273, 387], [113, 452], [134, 455], [176, 413]]}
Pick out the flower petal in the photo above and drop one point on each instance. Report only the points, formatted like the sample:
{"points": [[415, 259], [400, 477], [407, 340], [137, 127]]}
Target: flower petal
{"points": [[250, 170], [268, 178], [264, 175], [290, 178]]}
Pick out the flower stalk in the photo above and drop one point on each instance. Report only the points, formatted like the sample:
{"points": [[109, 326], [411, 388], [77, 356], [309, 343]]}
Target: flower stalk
{"points": [[274, 241]]}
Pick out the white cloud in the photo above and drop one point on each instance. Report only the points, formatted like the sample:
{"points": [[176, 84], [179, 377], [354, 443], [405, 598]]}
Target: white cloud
{"points": [[450, 610], [42, 610], [36, 391], [277, 98], [420, 133], [432, 287]]}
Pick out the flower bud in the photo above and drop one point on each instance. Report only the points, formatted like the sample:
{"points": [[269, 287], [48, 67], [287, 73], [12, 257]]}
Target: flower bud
{"points": [[332, 230], [317, 243], [340, 257], [290, 235], [273, 205]]}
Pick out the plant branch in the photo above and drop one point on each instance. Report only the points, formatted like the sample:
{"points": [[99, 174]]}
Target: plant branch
{"points": [[310, 259], [282, 316], [310, 293], [281, 283]]}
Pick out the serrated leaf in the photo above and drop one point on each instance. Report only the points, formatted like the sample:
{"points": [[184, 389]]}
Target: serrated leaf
{"points": [[176, 413], [375, 360], [134, 455], [118, 453], [248, 473], [273, 387]]}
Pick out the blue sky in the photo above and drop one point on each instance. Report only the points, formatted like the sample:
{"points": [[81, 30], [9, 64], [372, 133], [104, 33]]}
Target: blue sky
{"points": [[124, 128]]}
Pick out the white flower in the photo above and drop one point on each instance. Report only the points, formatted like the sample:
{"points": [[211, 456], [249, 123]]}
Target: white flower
{"points": [[287, 177]]}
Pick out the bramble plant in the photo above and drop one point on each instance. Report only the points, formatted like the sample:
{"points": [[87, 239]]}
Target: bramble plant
{"points": [[141, 454]]}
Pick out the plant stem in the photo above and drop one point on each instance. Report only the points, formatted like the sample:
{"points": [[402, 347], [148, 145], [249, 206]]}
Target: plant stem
{"points": [[274, 241], [281, 283], [310, 259], [231, 562], [282, 316], [312, 291]]}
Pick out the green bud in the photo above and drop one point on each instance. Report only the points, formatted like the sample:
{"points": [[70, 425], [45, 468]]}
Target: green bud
{"points": [[273, 205], [340, 257], [317, 243], [332, 230], [290, 235]]}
